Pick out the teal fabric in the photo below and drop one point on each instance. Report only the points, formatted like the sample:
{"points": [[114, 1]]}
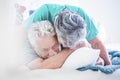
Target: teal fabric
{"points": [[49, 11], [109, 69]]}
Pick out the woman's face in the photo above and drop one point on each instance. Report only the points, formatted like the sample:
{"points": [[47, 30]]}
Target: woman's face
{"points": [[47, 46]]}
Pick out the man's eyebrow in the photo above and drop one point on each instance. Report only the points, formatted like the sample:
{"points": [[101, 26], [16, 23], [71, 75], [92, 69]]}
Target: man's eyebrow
{"points": [[44, 49]]}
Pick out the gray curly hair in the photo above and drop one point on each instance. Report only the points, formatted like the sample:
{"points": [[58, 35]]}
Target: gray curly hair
{"points": [[40, 29], [70, 28]]}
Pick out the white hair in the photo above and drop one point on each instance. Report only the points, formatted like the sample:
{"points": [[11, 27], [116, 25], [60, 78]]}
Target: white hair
{"points": [[40, 29], [70, 28]]}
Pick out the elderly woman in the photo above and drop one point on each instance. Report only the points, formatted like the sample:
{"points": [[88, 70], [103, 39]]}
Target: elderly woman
{"points": [[71, 31]]}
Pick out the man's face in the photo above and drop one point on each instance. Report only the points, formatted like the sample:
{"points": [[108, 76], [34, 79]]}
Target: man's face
{"points": [[47, 46]]}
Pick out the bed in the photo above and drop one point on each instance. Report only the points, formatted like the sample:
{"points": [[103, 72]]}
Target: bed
{"points": [[23, 73], [58, 74]]}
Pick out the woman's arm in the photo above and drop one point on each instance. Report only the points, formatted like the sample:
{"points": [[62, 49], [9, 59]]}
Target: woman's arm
{"points": [[53, 62], [97, 44]]}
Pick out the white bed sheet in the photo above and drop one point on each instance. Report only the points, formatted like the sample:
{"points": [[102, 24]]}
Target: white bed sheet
{"points": [[74, 75], [59, 74]]}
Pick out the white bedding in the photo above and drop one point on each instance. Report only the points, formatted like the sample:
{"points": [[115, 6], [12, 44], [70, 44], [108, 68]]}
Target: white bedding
{"points": [[59, 74], [73, 75]]}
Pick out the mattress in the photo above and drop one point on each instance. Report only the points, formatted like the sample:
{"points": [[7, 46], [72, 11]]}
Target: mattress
{"points": [[59, 74]]}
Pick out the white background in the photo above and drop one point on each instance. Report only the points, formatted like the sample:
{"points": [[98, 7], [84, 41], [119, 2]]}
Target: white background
{"points": [[105, 11]]}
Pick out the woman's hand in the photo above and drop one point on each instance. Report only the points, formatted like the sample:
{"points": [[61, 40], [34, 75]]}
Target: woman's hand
{"points": [[100, 61]]}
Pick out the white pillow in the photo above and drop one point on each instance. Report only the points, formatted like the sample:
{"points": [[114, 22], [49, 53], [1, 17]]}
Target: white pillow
{"points": [[81, 57]]}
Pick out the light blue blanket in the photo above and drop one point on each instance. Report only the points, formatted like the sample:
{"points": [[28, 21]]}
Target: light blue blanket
{"points": [[115, 59]]}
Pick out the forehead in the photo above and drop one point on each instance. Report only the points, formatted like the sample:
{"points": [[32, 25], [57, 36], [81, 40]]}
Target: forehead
{"points": [[46, 42]]}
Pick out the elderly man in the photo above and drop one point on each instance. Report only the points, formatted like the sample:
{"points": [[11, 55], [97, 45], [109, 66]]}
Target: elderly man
{"points": [[41, 36]]}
